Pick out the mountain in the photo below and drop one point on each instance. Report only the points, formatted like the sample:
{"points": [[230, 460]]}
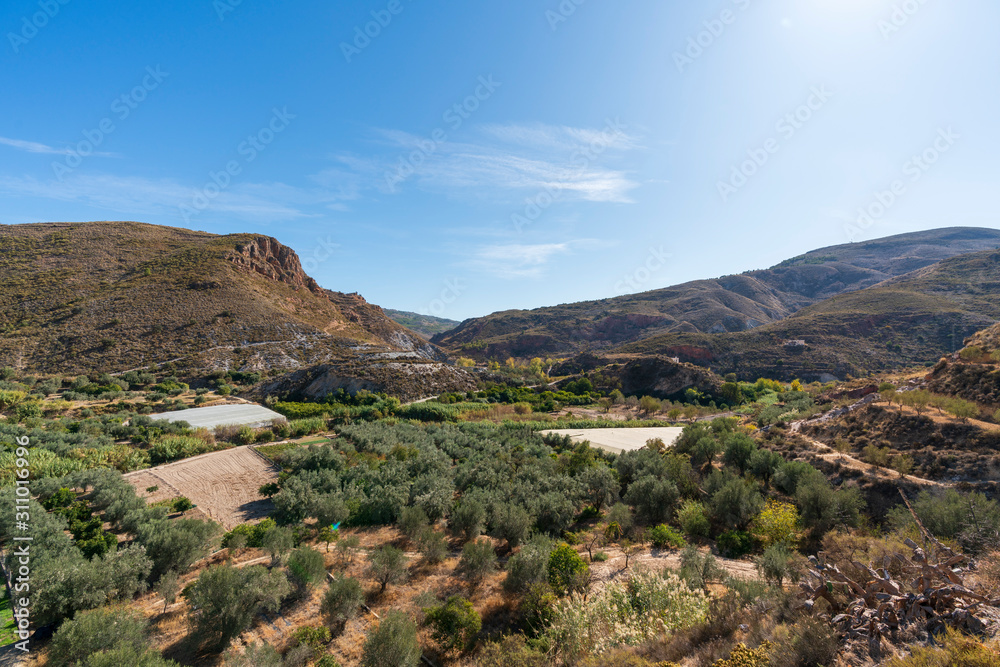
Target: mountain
{"points": [[911, 319], [425, 325], [722, 306], [112, 296]]}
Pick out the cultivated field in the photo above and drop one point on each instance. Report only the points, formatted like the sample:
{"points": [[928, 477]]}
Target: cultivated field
{"points": [[222, 484], [618, 440], [243, 414]]}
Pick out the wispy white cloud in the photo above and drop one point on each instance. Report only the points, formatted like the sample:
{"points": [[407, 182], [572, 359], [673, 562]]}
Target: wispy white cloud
{"points": [[520, 260], [258, 202], [35, 147], [560, 137], [513, 159]]}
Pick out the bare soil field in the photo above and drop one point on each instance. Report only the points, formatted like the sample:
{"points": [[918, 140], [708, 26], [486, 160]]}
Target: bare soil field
{"points": [[222, 484], [618, 440]]}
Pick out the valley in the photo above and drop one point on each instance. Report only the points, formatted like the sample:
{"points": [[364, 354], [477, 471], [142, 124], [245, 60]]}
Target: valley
{"points": [[243, 468]]}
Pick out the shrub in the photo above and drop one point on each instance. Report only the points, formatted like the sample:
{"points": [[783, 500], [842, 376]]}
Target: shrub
{"points": [[698, 569], [808, 642], [747, 657], [181, 504], [735, 543], [511, 523], [776, 524], [962, 409], [527, 567], [97, 630], [387, 565], [455, 624], [693, 518], [624, 614], [253, 533], [342, 601], [412, 520], [393, 643], [307, 567], [663, 536], [468, 519], [951, 649], [567, 571], [433, 545], [536, 607], [736, 503], [777, 564], [316, 637], [654, 499], [277, 541], [600, 557], [478, 561], [229, 598]]}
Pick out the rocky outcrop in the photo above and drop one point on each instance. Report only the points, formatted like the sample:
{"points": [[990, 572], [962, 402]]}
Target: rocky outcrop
{"points": [[663, 377], [267, 257]]}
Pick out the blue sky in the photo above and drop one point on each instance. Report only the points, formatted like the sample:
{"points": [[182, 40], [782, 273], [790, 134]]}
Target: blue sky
{"points": [[465, 158]]}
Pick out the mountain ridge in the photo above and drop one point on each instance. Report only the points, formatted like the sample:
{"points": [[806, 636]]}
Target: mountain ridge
{"points": [[714, 306]]}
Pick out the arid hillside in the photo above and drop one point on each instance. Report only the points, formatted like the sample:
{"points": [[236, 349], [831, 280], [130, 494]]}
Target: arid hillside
{"points": [[114, 296], [730, 304]]}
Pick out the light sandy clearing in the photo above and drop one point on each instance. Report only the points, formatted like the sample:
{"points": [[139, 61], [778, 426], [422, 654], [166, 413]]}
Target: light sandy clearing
{"points": [[248, 414], [618, 440], [222, 484]]}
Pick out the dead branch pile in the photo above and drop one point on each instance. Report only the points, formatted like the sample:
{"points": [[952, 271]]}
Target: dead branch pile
{"points": [[932, 594]]}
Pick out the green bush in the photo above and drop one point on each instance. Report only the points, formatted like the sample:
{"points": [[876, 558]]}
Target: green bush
{"points": [[455, 624], [307, 567], [528, 566], [693, 518], [663, 536], [97, 630], [393, 643], [342, 601], [254, 533], [567, 571], [735, 543], [478, 561], [228, 598], [777, 564]]}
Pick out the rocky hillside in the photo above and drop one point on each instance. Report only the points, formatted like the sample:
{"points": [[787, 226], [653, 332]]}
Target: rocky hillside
{"points": [[914, 319], [112, 296], [721, 306]]}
